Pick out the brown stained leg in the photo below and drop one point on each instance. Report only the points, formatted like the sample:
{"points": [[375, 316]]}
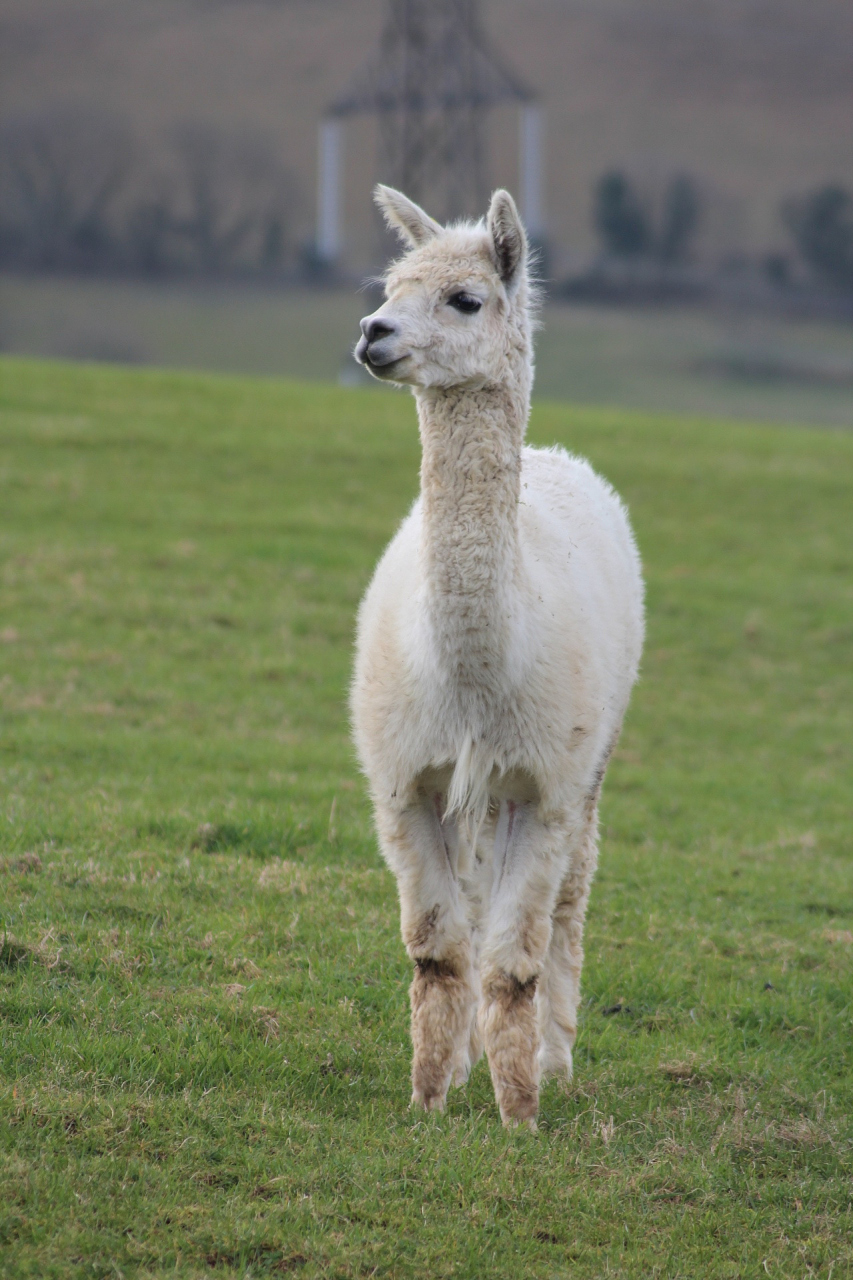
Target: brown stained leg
{"points": [[511, 1037], [529, 866], [419, 847], [442, 999]]}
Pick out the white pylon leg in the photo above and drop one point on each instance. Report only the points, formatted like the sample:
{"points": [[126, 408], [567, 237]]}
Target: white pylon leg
{"points": [[329, 190], [530, 169]]}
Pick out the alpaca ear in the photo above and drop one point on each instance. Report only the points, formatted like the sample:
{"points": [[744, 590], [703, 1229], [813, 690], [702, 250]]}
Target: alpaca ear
{"points": [[508, 237], [402, 215]]}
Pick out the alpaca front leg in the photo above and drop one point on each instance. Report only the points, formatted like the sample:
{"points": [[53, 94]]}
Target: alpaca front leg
{"points": [[559, 989], [529, 858], [443, 1006], [421, 850]]}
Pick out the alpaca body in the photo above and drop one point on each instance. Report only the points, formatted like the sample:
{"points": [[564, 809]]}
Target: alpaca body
{"points": [[539, 689], [497, 646]]}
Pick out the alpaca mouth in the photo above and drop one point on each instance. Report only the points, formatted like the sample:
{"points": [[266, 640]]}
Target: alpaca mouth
{"points": [[384, 368], [377, 362]]}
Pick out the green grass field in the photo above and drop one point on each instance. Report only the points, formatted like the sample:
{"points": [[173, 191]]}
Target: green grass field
{"points": [[203, 1011]]}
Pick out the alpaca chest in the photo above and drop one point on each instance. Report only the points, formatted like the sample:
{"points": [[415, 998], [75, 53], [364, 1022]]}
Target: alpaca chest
{"points": [[471, 716]]}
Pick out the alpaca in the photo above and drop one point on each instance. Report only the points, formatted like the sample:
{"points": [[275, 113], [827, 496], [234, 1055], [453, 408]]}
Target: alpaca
{"points": [[497, 646]]}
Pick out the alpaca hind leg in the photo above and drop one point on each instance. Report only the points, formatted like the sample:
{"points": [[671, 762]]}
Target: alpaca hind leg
{"points": [[529, 866], [559, 990], [421, 849]]}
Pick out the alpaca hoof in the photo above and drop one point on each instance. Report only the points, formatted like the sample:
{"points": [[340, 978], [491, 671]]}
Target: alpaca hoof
{"points": [[428, 1101], [514, 1122], [519, 1108]]}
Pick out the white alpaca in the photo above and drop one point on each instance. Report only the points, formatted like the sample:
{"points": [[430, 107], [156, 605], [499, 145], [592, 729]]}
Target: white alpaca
{"points": [[497, 646]]}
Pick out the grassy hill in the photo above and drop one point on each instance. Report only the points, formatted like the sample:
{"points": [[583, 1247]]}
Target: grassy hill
{"points": [[754, 99], [203, 1045]]}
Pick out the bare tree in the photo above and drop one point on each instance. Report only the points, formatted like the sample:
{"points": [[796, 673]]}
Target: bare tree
{"points": [[633, 223], [149, 229], [679, 220], [620, 217], [77, 193], [63, 171], [235, 203]]}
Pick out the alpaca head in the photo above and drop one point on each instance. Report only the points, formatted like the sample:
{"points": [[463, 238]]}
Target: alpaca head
{"points": [[457, 309]]}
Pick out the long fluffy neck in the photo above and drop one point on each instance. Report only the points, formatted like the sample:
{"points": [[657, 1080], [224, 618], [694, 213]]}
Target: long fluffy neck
{"points": [[470, 484]]}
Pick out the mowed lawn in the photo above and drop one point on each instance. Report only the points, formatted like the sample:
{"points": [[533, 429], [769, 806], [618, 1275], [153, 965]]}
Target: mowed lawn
{"points": [[203, 995]]}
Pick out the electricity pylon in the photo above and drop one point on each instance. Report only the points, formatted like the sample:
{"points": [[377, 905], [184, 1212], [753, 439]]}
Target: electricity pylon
{"points": [[430, 86]]}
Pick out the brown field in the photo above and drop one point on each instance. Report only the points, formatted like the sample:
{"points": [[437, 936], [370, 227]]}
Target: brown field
{"points": [[755, 98]]}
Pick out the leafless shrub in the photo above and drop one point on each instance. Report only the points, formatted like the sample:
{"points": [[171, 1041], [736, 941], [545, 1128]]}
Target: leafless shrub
{"points": [[78, 193], [235, 200], [63, 171], [821, 226], [646, 220]]}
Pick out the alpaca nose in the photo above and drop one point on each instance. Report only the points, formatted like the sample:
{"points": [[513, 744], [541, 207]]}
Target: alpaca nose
{"points": [[375, 327]]}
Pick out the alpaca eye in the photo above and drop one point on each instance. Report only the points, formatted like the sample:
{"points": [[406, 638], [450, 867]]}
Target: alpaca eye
{"points": [[464, 302]]}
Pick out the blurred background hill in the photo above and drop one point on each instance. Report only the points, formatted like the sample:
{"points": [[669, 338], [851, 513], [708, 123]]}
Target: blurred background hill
{"points": [[753, 96], [146, 140]]}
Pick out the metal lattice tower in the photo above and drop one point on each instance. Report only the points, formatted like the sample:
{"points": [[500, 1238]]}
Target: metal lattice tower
{"points": [[430, 86]]}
